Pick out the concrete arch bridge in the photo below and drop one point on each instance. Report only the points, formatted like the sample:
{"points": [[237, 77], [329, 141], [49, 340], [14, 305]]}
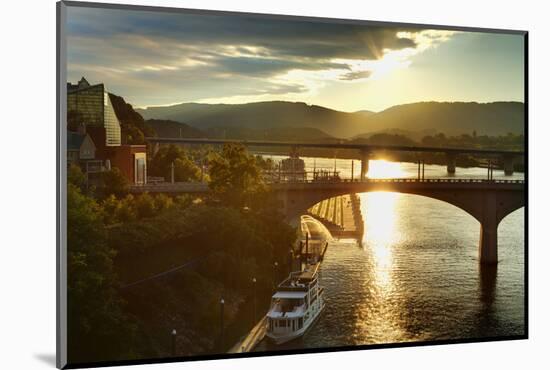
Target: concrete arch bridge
{"points": [[488, 201]]}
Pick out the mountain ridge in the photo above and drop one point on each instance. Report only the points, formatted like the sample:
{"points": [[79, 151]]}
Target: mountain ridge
{"points": [[450, 118]]}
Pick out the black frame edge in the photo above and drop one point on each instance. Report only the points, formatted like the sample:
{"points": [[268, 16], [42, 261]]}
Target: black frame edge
{"points": [[285, 17], [61, 335], [61, 183]]}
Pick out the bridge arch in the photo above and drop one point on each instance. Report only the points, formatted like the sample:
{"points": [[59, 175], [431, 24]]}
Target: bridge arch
{"points": [[487, 204], [488, 201]]}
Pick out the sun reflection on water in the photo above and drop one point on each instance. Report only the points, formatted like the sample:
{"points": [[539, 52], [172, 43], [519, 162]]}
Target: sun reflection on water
{"points": [[380, 218], [383, 169], [380, 311], [381, 234]]}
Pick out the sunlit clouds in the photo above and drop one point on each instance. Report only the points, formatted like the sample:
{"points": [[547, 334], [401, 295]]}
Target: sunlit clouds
{"points": [[158, 58]]}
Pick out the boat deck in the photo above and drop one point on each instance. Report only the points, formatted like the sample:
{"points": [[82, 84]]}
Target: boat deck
{"points": [[299, 280]]}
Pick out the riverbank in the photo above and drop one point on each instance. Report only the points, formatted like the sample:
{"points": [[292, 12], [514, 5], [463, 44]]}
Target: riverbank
{"points": [[251, 340], [256, 335]]}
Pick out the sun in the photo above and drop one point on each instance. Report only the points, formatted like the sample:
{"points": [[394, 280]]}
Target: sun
{"points": [[383, 169]]}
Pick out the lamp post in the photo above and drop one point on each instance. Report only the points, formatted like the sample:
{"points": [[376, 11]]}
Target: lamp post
{"points": [[275, 274], [172, 172], [222, 304], [173, 337], [254, 288]]}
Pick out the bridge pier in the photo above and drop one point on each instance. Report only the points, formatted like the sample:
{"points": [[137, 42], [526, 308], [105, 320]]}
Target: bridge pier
{"points": [[508, 164], [365, 156], [488, 234], [451, 163]]}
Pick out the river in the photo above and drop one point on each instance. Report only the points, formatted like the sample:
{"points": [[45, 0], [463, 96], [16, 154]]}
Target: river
{"points": [[416, 276]]}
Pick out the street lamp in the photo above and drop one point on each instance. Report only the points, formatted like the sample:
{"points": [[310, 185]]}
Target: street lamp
{"points": [[222, 303], [254, 287], [275, 274], [172, 180], [174, 333]]}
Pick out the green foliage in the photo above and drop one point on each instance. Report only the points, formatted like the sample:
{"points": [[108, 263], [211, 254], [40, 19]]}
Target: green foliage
{"points": [[184, 201], [97, 327], [265, 164], [235, 176], [145, 206], [76, 177], [113, 182], [168, 128], [223, 245], [225, 248], [504, 142], [132, 208], [184, 167], [134, 128], [126, 210], [185, 170], [163, 202]]}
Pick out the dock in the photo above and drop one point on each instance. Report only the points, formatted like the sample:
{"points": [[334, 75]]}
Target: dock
{"points": [[248, 342], [341, 215], [251, 340], [319, 252]]}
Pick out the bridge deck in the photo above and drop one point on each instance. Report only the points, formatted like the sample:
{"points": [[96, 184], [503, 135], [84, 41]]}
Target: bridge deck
{"points": [[337, 145], [198, 187]]}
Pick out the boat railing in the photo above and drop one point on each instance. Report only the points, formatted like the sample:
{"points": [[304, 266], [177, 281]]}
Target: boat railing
{"points": [[295, 309]]}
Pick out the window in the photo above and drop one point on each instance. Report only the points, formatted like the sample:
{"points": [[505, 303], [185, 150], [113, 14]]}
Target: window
{"points": [[140, 171]]}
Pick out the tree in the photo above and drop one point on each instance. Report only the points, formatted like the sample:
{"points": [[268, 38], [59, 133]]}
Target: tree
{"points": [[234, 176], [126, 210], [76, 177], [113, 182], [184, 167], [145, 206], [134, 128], [97, 328], [163, 202], [185, 170]]}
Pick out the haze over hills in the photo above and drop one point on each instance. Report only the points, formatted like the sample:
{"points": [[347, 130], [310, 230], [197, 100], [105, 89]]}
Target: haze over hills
{"points": [[276, 114], [498, 118], [169, 128]]}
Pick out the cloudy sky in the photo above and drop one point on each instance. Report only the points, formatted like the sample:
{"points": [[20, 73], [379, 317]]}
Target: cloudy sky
{"points": [[157, 58]]}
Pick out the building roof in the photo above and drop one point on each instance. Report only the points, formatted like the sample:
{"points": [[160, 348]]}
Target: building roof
{"points": [[81, 85], [74, 140], [284, 294]]}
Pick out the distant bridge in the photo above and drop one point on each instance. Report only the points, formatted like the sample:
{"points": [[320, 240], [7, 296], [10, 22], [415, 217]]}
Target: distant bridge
{"points": [[508, 157], [488, 201]]}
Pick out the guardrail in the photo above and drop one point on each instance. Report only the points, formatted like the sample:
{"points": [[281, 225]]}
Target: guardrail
{"points": [[201, 187], [400, 180]]}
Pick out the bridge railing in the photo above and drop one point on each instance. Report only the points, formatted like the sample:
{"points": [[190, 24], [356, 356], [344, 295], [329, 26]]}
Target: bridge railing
{"points": [[397, 180], [199, 187], [325, 176]]}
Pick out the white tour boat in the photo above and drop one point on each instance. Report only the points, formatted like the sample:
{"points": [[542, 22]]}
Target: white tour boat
{"points": [[296, 304]]}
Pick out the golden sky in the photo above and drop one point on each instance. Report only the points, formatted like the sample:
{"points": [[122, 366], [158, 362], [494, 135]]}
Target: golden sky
{"points": [[158, 58]]}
